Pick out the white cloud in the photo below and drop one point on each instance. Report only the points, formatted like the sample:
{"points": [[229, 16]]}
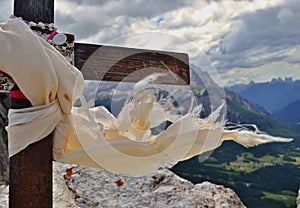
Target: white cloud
{"points": [[105, 20], [5, 9], [241, 36], [262, 73], [261, 39]]}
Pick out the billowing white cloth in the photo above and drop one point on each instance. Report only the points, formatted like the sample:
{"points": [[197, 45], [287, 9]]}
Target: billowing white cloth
{"points": [[124, 144]]}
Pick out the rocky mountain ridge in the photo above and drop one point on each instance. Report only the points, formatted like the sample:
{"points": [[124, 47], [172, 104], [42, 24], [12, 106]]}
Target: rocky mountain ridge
{"points": [[290, 113], [273, 95]]}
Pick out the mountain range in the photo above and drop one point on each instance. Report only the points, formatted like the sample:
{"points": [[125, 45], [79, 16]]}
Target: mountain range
{"points": [[290, 112], [280, 97], [264, 176]]}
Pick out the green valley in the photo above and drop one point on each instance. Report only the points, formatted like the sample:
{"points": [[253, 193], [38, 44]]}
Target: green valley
{"points": [[263, 176]]}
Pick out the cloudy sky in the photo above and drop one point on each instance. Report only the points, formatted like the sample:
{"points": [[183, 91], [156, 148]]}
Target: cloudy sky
{"points": [[245, 40]]}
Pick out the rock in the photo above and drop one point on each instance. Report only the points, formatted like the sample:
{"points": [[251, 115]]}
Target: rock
{"points": [[298, 199], [100, 188], [77, 186], [3, 196], [61, 193], [222, 197]]}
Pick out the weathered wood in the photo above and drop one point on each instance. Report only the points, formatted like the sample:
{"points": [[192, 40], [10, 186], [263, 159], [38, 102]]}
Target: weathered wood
{"points": [[31, 169], [83, 52], [31, 176], [110, 63], [35, 10]]}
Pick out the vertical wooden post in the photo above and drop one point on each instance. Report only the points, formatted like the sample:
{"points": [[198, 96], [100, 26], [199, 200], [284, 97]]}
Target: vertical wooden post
{"points": [[35, 10], [31, 169]]}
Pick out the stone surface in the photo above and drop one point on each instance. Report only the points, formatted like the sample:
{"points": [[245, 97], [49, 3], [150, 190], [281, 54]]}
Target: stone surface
{"points": [[61, 193], [99, 188], [76, 186], [62, 197], [3, 196]]}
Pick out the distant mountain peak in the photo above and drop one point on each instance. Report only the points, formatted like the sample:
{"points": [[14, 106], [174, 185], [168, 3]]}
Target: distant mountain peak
{"points": [[279, 79], [274, 96]]}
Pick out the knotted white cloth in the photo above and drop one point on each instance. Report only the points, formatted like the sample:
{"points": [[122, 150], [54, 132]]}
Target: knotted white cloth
{"points": [[47, 80], [122, 144]]}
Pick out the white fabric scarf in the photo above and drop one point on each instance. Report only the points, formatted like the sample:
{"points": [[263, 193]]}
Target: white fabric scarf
{"points": [[52, 85]]}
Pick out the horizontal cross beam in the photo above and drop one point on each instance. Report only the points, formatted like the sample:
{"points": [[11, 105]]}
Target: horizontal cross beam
{"points": [[111, 63], [31, 169]]}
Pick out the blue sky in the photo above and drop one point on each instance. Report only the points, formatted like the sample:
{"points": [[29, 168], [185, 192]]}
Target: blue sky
{"points": [[159, 20], [245, 40]]}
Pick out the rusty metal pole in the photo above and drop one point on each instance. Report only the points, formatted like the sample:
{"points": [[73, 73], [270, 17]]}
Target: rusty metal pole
{"points": [[30, 177]]}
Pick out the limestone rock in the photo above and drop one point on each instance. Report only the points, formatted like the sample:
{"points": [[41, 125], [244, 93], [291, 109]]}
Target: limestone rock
{"points": [[62, 197], [3, 196], [98, 188], [61, 193], [77, 186]]}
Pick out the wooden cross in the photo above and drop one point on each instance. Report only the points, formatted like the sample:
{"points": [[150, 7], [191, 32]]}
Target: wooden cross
{"points": [[31, 169]]}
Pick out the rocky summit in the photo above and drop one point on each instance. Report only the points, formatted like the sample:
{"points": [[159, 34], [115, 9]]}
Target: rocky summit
{"points": [[77, 186]]}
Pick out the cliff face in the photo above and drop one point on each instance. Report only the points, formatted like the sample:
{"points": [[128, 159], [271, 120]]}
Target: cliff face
{"points": [[86, 187], [233, 97]]}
